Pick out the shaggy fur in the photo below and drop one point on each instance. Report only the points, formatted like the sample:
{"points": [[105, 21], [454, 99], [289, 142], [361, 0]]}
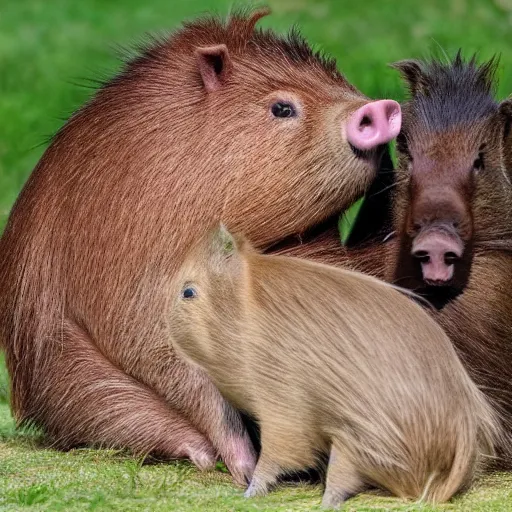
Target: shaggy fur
{"points": [[326, 358]]}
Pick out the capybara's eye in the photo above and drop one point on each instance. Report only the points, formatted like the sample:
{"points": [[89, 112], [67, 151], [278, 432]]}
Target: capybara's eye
{"points": [[282, 109], [189, 293]]}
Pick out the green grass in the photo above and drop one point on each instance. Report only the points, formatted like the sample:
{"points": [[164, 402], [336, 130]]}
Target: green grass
{"points": [[46, 47], [33, 476]]}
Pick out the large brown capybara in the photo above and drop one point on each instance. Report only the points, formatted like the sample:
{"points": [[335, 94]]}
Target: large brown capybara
{"points": [[451, 218], [326, 358], [218, 114]]}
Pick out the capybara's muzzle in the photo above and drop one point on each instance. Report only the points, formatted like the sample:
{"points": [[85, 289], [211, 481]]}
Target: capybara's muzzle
{"points": [[374, 124]]}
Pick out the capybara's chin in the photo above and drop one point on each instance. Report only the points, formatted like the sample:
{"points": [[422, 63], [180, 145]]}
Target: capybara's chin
{"points": [[320, 237]]}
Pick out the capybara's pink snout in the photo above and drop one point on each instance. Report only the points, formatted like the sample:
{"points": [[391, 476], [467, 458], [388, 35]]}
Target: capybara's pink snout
{"points": [[374, 124], [438, 252]]}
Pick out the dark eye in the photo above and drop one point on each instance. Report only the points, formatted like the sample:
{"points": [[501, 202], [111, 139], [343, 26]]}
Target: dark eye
{"points": [[189, 293], [402, 146], [478, 164], [282, 109]]}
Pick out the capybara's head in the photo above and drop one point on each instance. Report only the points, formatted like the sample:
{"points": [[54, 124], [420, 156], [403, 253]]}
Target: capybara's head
{"points": [[209, 296], [453, 184], [286, 140]]}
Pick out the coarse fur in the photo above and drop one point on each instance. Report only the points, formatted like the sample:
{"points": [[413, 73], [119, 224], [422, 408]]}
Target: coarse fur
{"points": [[100, 228], [451, 114], [326, 358]]}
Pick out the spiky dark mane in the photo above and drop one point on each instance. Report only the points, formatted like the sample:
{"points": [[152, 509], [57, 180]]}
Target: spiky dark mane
{"points": [[458, 92]]}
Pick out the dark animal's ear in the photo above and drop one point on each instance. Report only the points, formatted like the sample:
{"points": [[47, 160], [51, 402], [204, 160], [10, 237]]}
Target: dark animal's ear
{"points": [[412, 72], [505, 110], [214, 66]]}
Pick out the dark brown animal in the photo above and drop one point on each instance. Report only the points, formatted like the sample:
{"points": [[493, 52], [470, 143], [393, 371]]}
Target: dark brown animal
{"points": [[216, 111], [326, 358], [453, 192]]}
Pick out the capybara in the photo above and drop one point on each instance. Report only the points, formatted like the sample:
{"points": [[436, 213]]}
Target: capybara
{"points": [[219, 113], [450, 237], [327, 358]]}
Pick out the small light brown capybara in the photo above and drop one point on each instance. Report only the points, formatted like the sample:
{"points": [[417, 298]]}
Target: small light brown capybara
{"points": [[218, 109], [329, 358]]}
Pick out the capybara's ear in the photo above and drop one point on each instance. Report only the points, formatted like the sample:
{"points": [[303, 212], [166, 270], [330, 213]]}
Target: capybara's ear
{"points": [[225, 241], [222, 250], [214, 66], [412, 72]]}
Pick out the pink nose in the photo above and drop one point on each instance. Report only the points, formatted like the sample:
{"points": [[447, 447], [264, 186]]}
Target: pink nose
{"points": [[374, 124], [437, 253]]}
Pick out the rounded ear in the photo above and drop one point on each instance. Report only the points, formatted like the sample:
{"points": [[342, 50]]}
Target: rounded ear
{"points": [[225, 241], [223, 251], [214, 66], [412, 72]]}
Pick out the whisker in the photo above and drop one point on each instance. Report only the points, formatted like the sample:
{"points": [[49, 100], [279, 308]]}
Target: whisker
{"points": [[385, 189]]}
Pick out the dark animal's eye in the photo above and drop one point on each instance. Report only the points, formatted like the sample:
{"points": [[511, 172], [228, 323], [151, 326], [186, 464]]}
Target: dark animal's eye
{"points": [[189, 293], [402, 146], [478, 164], [282, 109]]}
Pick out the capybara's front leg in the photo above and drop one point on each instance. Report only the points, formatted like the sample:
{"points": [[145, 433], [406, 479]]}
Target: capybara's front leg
{"points": [[265, 475], [192, 393], [343, 481], [87, 400], [285, 448]]}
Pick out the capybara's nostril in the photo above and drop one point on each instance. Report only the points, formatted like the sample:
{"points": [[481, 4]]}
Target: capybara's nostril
{"points": [[374, 124], [366, 121], [437, 252]]}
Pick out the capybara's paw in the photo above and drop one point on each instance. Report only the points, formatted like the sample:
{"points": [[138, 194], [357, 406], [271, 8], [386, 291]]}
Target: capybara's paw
{"points": [[202, 455], [256, 489], [334, 500], [240, 458]]}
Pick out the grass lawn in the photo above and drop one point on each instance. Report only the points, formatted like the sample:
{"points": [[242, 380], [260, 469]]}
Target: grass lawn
{"points": [[32, 476], [47, 47]]}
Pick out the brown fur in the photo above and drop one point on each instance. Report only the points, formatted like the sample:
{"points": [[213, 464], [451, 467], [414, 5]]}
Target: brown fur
{"points": [[182, 136], [478, 320], [326, 357]]}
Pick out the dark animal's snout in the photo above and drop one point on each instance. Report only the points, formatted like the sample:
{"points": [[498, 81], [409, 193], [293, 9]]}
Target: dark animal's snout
{"points": [[439, 243], [438, 252]]}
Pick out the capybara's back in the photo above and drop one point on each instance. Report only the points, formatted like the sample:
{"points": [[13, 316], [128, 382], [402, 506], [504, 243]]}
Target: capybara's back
{"points": [[327, 357]]}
